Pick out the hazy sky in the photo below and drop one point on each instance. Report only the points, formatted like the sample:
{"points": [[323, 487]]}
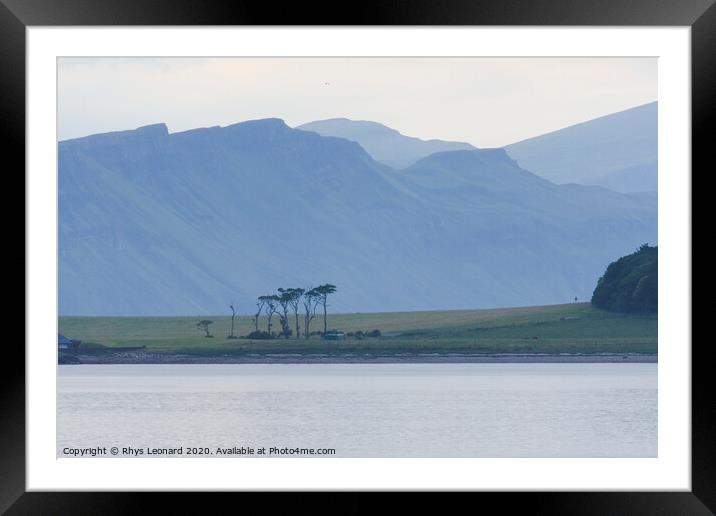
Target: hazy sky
{"points": [[488, 102]]}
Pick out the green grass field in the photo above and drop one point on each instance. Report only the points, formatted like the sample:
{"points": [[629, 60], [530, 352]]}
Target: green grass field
{"points": [[572, 328]]}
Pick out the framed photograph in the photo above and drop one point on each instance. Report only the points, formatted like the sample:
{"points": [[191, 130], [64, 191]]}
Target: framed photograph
{"points": [[416, 250]]}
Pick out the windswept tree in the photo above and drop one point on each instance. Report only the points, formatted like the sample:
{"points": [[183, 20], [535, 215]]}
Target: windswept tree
{"points": [[203, 325], [260, 303], [295, 304], [270, 307], [284, 298], [310, 301], [233, 315], [323, 291]]}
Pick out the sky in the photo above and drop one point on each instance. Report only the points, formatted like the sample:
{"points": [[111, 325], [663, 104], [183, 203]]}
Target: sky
{"points": [[488, 102]]}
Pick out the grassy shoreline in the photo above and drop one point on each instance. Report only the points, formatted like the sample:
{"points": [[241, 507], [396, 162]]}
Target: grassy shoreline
{"points": [[575, 329]]}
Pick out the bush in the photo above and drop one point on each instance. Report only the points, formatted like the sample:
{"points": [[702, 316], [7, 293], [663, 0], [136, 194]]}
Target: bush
{"points": [[259, 335], [360, 334]]}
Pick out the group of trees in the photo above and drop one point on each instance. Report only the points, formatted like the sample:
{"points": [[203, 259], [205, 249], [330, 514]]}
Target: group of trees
{"points": [[300, 303], [297, 302], [630, 284]]}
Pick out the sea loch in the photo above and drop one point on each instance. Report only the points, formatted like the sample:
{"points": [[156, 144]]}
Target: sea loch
{"points": [[362, 410]]}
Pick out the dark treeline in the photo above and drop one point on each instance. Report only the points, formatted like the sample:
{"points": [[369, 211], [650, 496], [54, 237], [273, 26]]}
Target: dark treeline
{"points": [[295, 308], [630, 284]]}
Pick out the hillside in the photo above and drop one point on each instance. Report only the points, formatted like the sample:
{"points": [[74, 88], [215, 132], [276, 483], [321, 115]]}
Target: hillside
{"points": [[617, 151], [384, 144], [153, 223]]}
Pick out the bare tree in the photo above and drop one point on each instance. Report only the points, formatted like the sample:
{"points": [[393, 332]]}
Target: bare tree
{"points": [[310, 302], [271, 307], [260, 303], [233, 314]]}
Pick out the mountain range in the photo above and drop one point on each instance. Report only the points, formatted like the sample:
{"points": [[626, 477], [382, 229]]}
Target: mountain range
{"points": [[617, 151], [159, 223], [384, 144]]}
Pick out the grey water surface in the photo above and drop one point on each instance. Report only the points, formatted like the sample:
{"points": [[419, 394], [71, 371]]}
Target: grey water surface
{"points": [[359, 410]]}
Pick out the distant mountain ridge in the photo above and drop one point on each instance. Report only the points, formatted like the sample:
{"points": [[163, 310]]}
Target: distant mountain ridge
{"points": [[384, 144], [159, 223], [618, 151]]}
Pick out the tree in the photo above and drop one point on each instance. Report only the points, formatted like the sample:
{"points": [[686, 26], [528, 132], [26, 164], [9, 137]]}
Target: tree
{"points": [[284, 298], [271, 305], [310, 301], [630, 284], [233, 314], [260, 303], [295, 304], [323, 291], [203, 325]]}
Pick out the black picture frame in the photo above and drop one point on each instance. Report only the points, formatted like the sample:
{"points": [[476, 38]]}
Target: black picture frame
{"points": [[16, 15]]}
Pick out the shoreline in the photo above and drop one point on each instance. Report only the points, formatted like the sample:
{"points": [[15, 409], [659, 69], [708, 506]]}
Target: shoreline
{"points": [[506, 358]]}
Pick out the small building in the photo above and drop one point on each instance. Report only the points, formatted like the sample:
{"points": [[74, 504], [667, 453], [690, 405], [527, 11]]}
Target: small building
{"points": [[339, 335], [65, 343]]}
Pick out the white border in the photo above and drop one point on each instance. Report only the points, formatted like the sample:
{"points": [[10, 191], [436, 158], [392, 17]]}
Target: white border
{"points": [[670, 471]]}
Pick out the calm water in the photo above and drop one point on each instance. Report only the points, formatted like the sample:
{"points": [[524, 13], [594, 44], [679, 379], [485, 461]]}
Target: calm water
{"points": [[361, 410]]}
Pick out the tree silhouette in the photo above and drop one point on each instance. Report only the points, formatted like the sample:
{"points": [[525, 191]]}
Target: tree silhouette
{"points": [[260, 303], [204, 326], [292, 300], [295, 304], [271, 305], [310, 301], [323, 291], [233, 314], [284, 299]]}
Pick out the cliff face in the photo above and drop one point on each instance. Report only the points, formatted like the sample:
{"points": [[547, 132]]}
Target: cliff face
{"points": [[152, 223]]}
